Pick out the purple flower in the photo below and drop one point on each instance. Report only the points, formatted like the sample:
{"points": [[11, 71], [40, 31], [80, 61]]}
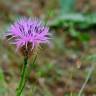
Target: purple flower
{"points": [[28, 30]]}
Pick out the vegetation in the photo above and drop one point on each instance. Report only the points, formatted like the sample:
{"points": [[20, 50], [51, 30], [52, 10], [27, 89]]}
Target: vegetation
{"points": [[67, 68]]}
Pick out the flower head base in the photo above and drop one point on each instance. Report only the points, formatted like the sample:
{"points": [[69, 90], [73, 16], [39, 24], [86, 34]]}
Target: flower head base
{"points": [[28, 31]]}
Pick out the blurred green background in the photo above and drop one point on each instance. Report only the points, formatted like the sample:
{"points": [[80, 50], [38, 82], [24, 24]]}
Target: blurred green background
{"points": [[62, 69]]}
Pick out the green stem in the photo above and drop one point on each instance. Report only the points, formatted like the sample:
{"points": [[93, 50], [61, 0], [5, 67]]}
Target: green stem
{"points": [[23, 80], [33, 62], [86, 81]]}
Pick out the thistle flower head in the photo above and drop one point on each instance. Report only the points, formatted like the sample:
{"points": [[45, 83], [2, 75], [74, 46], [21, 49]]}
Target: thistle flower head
{"points": [[28, 31]]}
